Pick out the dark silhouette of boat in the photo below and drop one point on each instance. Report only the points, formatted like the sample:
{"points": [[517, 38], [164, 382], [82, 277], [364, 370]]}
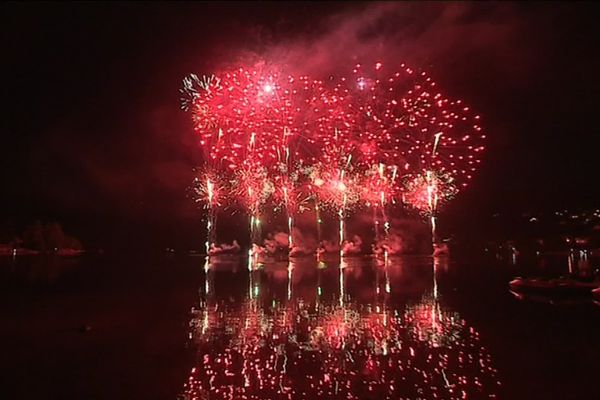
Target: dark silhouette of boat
{"points": [[563, 286]]}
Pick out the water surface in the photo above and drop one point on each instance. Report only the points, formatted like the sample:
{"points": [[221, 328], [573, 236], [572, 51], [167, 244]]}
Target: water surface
{"points": [[165, 327]]}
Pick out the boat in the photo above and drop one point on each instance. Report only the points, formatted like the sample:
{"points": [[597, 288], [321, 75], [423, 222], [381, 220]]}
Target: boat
{"points": [[69, 252], [564, 286], [596, 294], [550, 299]]}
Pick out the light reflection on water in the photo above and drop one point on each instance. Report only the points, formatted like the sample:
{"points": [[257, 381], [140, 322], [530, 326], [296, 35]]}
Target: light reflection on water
{"points": [[360, 330]]}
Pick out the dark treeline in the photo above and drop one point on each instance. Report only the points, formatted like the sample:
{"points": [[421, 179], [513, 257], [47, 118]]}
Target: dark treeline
{"points": [[43, 237]]}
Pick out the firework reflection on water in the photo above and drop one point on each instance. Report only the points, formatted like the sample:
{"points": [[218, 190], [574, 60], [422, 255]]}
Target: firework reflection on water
{"points": [[302, 331]]}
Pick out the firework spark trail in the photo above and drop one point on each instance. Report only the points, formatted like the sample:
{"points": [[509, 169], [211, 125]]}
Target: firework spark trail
{"points": [[194, 88], [211, 220], [342, 187], [424, 193], [376, 225], [319, 222], [432, 200], [377, 188], [208, 191]]}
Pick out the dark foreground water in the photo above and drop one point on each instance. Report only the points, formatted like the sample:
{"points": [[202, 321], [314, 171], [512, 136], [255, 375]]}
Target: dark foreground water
{"points": [[168, 327]]}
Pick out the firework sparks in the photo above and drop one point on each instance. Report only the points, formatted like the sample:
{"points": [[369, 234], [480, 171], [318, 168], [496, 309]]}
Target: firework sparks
{"points": [[370, 139]]}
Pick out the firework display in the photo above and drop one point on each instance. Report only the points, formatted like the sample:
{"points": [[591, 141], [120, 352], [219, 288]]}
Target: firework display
{"points": [[367, 140]]}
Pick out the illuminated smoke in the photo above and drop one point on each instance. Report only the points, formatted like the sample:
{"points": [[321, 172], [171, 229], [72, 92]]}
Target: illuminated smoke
{"points": [[393, 244], [353, 246], [225, 248]]}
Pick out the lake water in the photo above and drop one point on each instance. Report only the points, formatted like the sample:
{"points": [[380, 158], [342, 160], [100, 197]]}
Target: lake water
{"points": [[168, 327]]}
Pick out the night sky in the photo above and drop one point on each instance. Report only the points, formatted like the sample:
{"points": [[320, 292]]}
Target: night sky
{"points": [[93, 135]]}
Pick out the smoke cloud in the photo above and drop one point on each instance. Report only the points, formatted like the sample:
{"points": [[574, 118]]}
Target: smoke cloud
{"points": [[224, 248]]}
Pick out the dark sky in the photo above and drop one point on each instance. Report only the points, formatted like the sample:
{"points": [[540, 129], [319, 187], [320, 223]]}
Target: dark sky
{"points": [[92, 134]]}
